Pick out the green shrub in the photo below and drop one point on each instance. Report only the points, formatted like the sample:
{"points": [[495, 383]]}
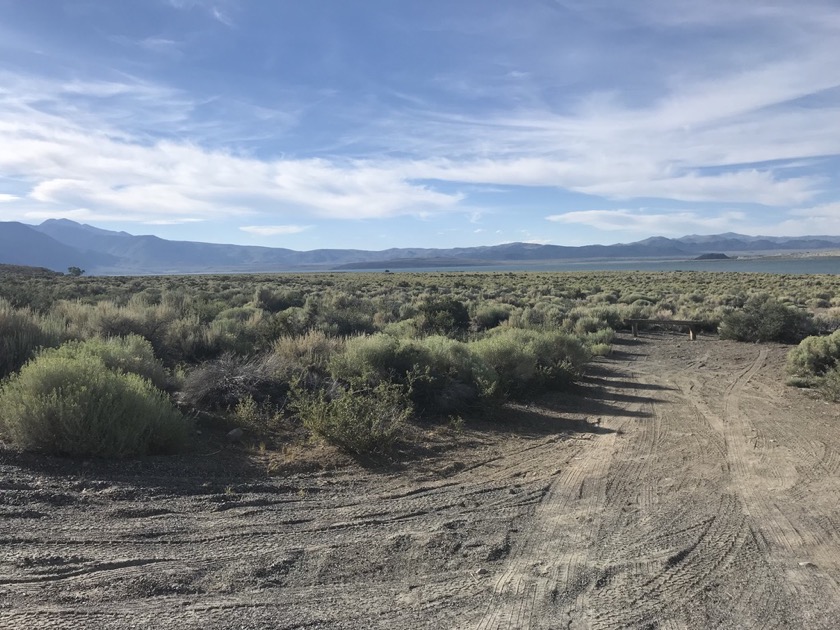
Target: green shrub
{"points": [[588, 324], [376, 358], [830, 384], [22, 332], [310, 352], [490, 315], [75, 405], [763, 318], [188, 339], [814, 356], [448, 375], [440, 374], [530, 360], [443, 316], [131, 355], [602, 336], [267, 299], [827, 322], [600, 349], [359, 420]]}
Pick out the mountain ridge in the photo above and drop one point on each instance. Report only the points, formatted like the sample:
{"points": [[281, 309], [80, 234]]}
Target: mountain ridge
{"points": [[60, 243]]}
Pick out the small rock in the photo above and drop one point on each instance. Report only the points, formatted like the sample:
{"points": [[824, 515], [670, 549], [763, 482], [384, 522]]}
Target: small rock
{"points": [[235, 435], [807, 565], [482, 571]]}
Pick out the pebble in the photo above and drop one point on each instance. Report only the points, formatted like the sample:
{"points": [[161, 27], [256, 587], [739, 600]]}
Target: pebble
{"points": [[482, 571], [235, 435]]}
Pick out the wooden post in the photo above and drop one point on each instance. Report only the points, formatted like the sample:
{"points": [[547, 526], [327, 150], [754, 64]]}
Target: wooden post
{"points": [[635, 329], [692, 335]]}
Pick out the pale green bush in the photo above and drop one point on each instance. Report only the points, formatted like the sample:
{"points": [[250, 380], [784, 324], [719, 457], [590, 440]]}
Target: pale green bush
{"points": [[529, 360], [22, 333], [131, 354], [813, 357], [76, 405], [763, 318], [360, 420]]}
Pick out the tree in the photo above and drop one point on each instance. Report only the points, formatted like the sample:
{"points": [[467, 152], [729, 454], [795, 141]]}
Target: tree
{"points": [[75, 271]]}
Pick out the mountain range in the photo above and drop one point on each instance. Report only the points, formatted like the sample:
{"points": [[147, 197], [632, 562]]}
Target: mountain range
{"points": [[60, 243]]}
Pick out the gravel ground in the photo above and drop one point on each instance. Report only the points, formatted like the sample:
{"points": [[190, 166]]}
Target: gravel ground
{"points": [[685, 487]]}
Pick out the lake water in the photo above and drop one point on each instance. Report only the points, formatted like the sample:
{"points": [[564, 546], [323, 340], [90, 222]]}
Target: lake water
{"points": [[769, 264]]}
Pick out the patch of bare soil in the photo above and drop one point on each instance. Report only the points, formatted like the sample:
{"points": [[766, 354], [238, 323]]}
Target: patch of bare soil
{"points": [[688, 488]]}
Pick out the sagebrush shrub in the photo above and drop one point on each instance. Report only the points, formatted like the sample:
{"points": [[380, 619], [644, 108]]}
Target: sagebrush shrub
{"points": [[305, 355], [443, 316], [375, 358], [764, 318], [224, 382], [830, 384], [814, 356], [441, 374], [131, 354], [359, 420], [489, 315], [189, 339], [531, 360], [76, 405], [22, 332]]}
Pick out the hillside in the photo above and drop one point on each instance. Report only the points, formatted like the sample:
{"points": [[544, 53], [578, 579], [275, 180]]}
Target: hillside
{"points": [[59, 243]]}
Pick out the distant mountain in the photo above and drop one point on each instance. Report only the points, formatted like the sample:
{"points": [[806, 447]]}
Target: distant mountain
{"points": [[22, 244], [59, 243], [762, 243]]}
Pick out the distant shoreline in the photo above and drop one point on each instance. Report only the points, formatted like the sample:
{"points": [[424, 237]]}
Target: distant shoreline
{"points": [[787, 263]]}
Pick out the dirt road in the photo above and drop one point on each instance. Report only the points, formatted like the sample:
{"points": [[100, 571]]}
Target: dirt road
{"points": [[688, 489]]}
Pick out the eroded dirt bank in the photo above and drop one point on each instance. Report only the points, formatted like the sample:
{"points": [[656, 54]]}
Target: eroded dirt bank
{"points": [[695, 490]]}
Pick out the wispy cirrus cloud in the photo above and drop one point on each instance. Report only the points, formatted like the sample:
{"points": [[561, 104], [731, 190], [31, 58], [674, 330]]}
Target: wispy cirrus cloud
{"points": [[70, 167], [219, 10], [274, 230], [650, 222], [751, 120], [819, 219]]}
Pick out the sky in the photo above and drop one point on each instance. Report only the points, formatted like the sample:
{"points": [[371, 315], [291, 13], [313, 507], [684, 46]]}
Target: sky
{"points": [[422, 123]]}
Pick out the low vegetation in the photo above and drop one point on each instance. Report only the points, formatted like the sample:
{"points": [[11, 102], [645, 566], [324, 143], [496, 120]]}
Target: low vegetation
{"points": [[764, 318], [90, 364], [73, 403], [365, 421]]}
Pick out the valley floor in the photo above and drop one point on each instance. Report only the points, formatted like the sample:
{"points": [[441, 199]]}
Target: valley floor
{"points": [[689, 488]]}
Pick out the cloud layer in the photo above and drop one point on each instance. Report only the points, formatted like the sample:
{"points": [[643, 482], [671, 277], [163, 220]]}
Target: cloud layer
{"points": [[750, 131]]}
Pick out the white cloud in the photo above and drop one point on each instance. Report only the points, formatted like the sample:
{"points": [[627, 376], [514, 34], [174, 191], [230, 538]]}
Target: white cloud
{"points": [[104, 169], [221, 17], [6, 198], [212, 7], [647, 222], [274, 230], [160, 45], [138, 151], [816, 220]]}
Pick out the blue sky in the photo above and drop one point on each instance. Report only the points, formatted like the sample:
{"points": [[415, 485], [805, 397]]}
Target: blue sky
{"points": [[386, 123]]}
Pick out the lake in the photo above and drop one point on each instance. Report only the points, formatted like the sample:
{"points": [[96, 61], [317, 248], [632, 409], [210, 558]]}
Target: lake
{"points": [[768, 264]]}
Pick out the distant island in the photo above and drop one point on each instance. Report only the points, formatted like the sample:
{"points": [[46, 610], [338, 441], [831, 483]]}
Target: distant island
{"points": [[713, 256]]}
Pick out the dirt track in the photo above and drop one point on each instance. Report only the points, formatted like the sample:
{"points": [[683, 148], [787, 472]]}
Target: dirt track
{"points": [[689, 489]]}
